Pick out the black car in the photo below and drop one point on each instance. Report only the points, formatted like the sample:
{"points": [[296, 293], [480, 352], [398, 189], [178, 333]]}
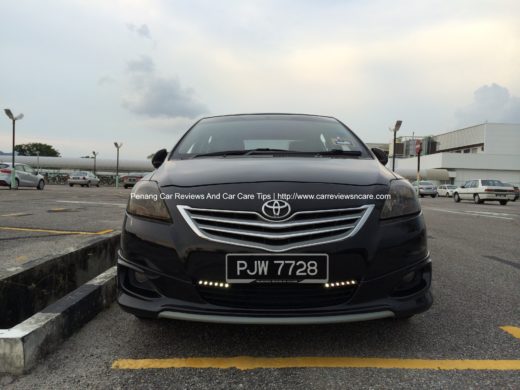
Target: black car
{"points": [[273, 219]]}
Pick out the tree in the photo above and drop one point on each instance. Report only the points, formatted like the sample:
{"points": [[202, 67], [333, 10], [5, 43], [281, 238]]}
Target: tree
{"points": [[32, 149]]}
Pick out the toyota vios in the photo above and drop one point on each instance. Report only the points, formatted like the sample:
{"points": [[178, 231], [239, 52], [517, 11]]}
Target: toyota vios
{"points": [[273, 219]]}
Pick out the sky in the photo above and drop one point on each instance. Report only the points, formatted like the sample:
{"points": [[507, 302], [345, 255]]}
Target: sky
{"points": [[88, 73]]}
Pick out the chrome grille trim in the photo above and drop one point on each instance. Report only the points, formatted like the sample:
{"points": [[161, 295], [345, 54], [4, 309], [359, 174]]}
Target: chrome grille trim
{"points": [[228, 227]]}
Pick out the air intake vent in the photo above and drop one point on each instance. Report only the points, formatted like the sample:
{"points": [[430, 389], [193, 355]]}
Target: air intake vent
{"points": [[250, 229]]}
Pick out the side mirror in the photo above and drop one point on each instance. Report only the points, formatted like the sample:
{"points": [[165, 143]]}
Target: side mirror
{"points": [[381, 155], [159, 157]]}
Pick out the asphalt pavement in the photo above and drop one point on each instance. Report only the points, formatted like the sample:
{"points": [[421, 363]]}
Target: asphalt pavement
{"points": [[36, 223], [476, 260]]}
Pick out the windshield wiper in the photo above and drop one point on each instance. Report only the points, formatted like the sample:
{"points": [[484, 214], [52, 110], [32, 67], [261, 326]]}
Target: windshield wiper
{"points": [[245, 152], [339, 152]]}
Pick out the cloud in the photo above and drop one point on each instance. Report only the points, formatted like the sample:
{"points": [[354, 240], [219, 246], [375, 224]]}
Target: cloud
{"points": [[142, 30], [156, 96], [104, 80], [491, 103], [143, 64]]}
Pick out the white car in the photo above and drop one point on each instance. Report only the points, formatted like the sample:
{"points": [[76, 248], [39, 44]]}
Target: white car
{"points": [[83, 179], [25, 176], [446, 190], [484, 190]]}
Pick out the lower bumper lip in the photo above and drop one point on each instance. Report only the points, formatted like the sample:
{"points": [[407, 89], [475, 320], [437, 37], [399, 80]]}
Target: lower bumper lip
{"points": [[276, 320]]}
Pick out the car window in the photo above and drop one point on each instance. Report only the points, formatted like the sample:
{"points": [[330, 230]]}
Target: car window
{"points": [[273, 132], [29, 169], [19, 168], [495, 183]]}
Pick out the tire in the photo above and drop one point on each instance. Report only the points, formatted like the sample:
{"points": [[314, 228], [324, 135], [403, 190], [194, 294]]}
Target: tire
{"points": [[448, 195], [503, 202], [477, 199], [83, 185], [456, 197], [71, 185], [97, 185], [41, 185], [422, 196], [126, 187], [433, 196], [88, 184]]}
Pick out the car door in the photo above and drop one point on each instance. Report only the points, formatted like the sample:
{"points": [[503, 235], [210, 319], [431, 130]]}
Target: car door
{"points": [[30, 173], [94, 179], [465, 192], [21, 175]]}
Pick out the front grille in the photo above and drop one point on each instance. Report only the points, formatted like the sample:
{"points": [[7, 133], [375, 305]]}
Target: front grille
{"points": [[287, 296], [250, 229]]}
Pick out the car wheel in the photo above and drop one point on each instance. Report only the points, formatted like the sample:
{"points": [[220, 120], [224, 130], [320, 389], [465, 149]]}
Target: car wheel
{"points": [[97, 185], [434, 195], [477, 199], [422, 196], [40, 185], [503, 202], [456, 197], [88, 184], [447, 195], [17, 183], [71, 185]]}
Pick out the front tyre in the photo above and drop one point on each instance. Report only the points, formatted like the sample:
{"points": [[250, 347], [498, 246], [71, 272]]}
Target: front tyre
{"points": [[477, 199], [41, 185], [503, 202], [456, 197], [434, 195]]}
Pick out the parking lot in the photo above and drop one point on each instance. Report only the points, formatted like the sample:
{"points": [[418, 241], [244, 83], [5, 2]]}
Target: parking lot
{"points": [[469, 338]]}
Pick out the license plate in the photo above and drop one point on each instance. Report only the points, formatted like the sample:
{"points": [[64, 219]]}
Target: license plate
{"points": [[275, 268]]}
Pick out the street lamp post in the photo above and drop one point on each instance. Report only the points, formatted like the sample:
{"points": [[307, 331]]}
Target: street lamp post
{"points": [[94, 153], [395, 130], [13, 119], [118, 146], [38, 161]]}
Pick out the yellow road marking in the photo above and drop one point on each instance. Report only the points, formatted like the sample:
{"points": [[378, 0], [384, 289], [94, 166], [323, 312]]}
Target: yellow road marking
{"points": [[55, 231], [512, 330], [250, 363]]}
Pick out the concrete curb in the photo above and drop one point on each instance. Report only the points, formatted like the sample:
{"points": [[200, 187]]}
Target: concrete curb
{"points": [[29, 288], [22, 345]]}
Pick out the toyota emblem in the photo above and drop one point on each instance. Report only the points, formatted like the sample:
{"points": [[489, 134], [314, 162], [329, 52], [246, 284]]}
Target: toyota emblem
{"points": [[276, 209]]}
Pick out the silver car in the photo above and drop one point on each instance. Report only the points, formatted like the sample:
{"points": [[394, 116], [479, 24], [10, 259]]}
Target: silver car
{"points": [[426, 188], [83, 178], [25, 176]]}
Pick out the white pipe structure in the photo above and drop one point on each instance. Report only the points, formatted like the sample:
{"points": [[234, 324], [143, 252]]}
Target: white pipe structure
{"points": [[425, 174], [83, 163]]}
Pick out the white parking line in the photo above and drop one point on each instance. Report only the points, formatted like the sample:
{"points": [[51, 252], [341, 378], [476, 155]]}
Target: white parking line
{"points": [[474, 213], [96, 203]]}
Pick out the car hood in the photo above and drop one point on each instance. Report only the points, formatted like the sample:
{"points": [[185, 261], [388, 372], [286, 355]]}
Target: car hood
{"points": [[229, 170]]}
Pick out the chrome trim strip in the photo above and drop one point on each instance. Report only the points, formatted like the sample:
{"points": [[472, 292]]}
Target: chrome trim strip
{"points": [[275, 224], [276, 236], [184, 210], [220, 319]]}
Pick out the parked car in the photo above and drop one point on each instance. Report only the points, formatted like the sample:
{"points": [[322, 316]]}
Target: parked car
{"points": [[224, 230], [446, 190], [25, 176], [484, 190], [83, 178], [516, 191], [426, 188], [132, 178]]}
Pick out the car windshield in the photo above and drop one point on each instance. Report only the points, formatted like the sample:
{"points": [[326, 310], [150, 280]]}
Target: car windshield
{"points": [[451, 187], [492, 183], [426, 183], [274, 134]]}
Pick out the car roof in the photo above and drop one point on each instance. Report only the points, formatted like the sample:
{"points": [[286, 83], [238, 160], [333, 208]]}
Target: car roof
{"points": [[270, 115]]}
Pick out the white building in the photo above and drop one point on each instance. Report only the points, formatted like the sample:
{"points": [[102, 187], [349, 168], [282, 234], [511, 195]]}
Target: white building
{"points": [[487, 151]]}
